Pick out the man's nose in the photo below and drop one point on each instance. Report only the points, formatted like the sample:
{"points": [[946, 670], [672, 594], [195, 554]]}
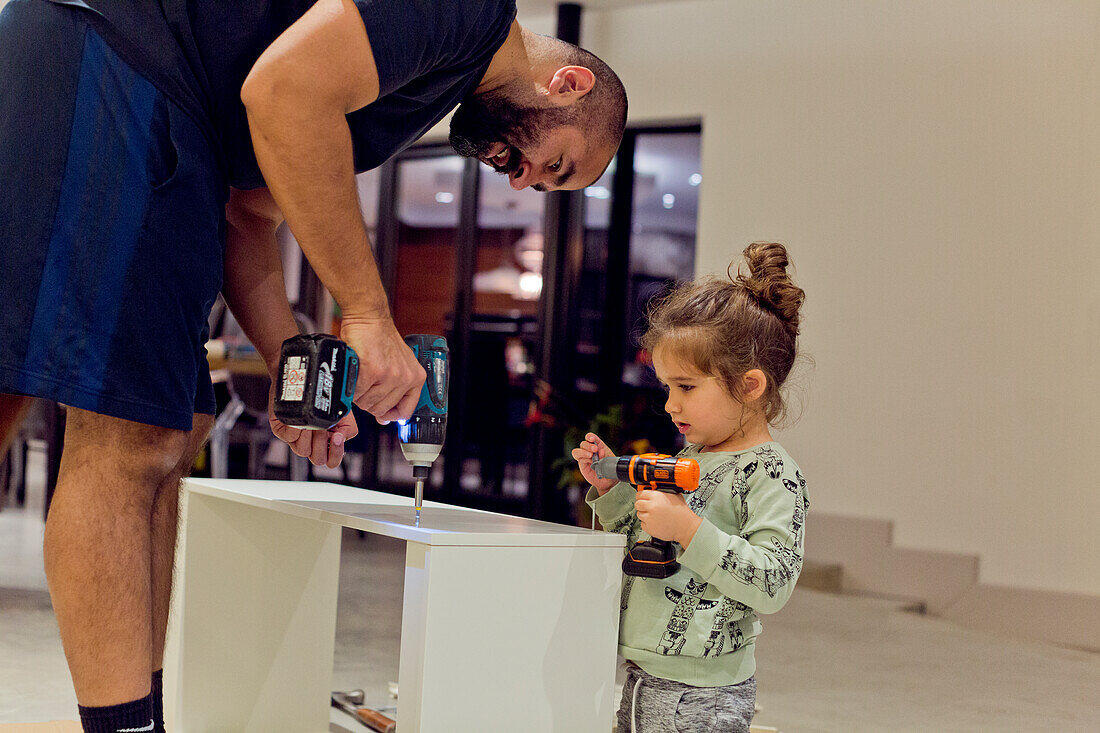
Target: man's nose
{"points": [[522, 177]]}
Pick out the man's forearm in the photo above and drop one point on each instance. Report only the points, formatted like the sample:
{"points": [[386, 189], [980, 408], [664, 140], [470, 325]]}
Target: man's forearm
{"points": [[255, 291], [254, 288], [304, 149]]}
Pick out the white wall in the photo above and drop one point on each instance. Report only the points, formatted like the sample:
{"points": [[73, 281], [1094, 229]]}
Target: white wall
{"points": [[933, 168]]}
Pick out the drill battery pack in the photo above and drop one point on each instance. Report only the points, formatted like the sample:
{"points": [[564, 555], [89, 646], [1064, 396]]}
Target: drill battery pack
{"points": [[316, 381]]}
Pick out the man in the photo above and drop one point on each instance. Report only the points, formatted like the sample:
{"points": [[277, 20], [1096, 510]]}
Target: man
{"points": [[144, 144]]}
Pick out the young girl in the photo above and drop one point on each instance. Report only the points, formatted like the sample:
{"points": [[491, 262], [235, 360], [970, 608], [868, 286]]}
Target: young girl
{"points": [[722, 348]]}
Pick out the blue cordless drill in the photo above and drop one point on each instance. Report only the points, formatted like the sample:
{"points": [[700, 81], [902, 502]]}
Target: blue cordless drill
{"points": [[316, 384], [422, 434]]}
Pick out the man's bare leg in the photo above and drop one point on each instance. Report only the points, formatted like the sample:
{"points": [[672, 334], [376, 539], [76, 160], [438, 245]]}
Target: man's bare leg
{"points": [[164, 525], [98, 551]]}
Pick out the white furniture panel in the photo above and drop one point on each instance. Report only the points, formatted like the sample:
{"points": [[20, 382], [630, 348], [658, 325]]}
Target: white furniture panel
{"points": [[507, 623]]}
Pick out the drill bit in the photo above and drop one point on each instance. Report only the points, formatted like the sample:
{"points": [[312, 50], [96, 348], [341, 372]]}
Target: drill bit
{"points": [[418, 498], [420, 473]]}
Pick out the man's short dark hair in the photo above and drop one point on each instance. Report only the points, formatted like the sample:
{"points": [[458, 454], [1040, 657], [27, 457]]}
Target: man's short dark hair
{"points": [[606, 104], [604, 108]]}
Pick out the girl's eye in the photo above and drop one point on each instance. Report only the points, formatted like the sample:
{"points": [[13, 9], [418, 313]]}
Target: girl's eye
{"points": [[687, 387], [555, 167]]}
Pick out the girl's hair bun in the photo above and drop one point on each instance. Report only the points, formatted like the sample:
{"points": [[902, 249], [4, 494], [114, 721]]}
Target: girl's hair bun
{"points": [[769, 284]]}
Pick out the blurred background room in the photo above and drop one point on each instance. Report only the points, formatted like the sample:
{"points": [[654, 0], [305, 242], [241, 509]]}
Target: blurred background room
{"points": [[934, 170]]}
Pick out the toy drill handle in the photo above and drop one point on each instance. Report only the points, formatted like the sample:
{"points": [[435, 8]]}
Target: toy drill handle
{"points": [[656, 471]]}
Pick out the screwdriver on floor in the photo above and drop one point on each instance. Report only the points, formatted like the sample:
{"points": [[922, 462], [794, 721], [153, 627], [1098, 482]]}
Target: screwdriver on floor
{"points": [[352, 703], [422, 435]]}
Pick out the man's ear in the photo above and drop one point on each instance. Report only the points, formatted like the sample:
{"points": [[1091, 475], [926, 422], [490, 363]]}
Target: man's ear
{"points": [[753, 384], [569, 84]]}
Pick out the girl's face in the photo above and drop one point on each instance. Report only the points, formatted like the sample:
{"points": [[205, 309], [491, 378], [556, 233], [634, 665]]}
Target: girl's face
{"points": [[700, 406]]}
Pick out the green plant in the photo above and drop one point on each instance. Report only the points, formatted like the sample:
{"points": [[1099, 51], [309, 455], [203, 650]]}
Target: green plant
{"points": [[608, 425]]}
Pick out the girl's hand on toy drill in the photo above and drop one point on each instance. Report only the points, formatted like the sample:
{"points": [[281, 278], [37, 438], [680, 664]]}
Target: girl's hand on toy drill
{"points": [[593, 448], [667, 516]]}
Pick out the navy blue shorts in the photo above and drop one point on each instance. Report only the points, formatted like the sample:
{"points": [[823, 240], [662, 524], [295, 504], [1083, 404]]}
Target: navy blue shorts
{"points": [[112, 211]]}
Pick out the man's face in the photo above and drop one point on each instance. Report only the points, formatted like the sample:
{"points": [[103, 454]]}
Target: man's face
{"points": [[538, 147]]}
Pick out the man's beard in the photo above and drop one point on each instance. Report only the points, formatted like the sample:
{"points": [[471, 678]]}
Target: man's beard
{"points": [[483, 120]]}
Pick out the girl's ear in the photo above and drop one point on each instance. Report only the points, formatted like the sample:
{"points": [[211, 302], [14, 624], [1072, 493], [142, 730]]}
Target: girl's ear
{"points": [[753, 384]]}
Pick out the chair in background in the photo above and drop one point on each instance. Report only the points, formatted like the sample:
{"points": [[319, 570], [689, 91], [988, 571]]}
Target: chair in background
{"points": [[26, 419], [13, 447], [244, 419]]}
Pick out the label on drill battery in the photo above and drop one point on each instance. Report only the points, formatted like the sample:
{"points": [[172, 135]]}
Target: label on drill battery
{"points": [[323, 398], [295, 369]]}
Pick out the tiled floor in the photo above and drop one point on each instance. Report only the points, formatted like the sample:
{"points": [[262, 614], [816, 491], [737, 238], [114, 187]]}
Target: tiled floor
{"points": [[826, 663]]}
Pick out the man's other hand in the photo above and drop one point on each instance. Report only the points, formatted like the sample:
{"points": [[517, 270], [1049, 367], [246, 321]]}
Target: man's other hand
{"points": [[321, 447]]}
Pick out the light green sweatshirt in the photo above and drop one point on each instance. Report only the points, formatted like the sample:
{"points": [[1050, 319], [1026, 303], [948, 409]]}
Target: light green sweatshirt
{"points": [[699, 626]]}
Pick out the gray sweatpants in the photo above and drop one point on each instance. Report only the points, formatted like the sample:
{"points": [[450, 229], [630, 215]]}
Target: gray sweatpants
{"points": [[655, 705]]}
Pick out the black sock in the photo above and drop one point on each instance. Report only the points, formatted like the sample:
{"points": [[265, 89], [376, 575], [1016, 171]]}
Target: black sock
{"points": [[158, 701], [129, 717]]}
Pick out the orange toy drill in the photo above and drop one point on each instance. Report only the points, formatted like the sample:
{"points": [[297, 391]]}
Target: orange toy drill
{"points": [[654, 558]]}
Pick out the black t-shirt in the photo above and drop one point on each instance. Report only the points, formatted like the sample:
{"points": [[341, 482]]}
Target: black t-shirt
{"points": [[429, 53]]}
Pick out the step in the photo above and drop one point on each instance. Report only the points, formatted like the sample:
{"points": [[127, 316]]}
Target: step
{"points": [[937, 579], [836, 538], [1067, 619], [872, 566], [823, 576]]}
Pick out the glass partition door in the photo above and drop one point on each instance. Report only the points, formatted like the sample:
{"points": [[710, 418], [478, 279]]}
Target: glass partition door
{"points": [[507, 287], [664, 211], [422, 295], [463, 255]]}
